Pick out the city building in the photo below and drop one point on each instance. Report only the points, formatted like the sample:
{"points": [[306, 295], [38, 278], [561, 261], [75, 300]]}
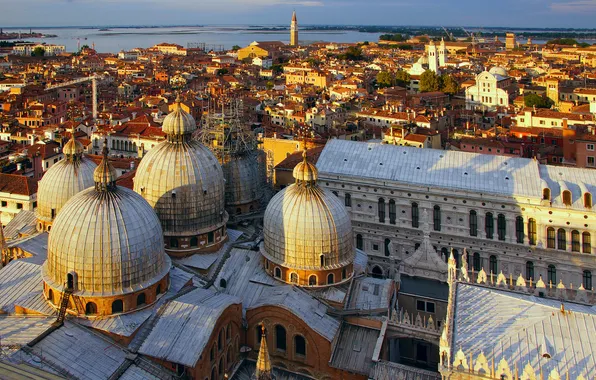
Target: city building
{"points": [[16, 193], [510, 42], [294, 30], [493, 89], [27, 49]]}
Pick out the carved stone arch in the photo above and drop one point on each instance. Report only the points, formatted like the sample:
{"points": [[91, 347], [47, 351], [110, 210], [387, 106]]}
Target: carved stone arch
{"points": [[481, 365], [520, 283], [504, 370], [554, 375], [481, 277], [529, 373], [501, 280], [460, 361]]}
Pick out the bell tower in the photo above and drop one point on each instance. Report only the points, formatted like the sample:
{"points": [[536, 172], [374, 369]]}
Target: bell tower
{"points": [[294, 30]]}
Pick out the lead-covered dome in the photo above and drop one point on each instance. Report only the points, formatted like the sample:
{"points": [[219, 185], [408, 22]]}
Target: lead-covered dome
{"points": [[307, 233], [106, 242], [183, 181], [62, 181], [244, 183]]}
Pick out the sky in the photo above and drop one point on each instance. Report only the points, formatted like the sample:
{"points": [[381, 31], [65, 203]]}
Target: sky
{"points": [[482, 13]]}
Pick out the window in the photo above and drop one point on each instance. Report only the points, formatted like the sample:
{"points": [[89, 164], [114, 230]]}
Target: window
{"points": [[426, 306], [19, 206], [141, 299], [519, 229], [552, 275], [259, 331], [587, 279], [489, 226], [173, 243], [330, 279], [493, 264], [344, 273], [586, 242], [590, 161], [158, 290], [575, 241], [501, 227], [529, 270], [322, 260], [90, 308], [473, 223], [567, 197], [280, 337], [210, 237], [381, 207], [437, 218], [550, 238], [561, 239], [477, 262], [194, 242], [392, 212], [300, 345], [590, 146], [277, 272], [359, 242], [415, 215], [532, 231], [4, 203], [312, 280], [387, 251], [294, 278], [587, 200], [117, 306]]}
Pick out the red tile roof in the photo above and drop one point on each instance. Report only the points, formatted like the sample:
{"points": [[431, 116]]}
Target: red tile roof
{"points": [[17, 184]]}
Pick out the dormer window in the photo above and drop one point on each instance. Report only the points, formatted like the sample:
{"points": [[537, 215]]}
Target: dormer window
{"points": [[546, 194], [567, 197]]}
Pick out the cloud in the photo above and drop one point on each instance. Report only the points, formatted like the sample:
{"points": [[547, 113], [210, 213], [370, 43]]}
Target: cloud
{"points": [[576, 6]]}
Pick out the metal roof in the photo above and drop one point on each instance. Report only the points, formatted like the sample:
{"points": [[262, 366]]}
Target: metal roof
{"points": [[418, 286], [354, 349], [22, 224], [22, 330], [522, 328], [370, 293], [18, 280]]}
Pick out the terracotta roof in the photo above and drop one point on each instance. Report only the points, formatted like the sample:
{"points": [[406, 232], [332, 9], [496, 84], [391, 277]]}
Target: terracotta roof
{"points": [[312, 155], [17, 184], [47, 150]]}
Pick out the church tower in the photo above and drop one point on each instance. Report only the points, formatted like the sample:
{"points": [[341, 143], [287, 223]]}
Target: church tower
{"points": [[433, 59], [294, 31], [442, 54]]}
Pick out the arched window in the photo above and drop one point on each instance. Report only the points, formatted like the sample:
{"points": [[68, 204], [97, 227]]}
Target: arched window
{"points": [[214, 373], [550, 238], [437, 218], [259, 331], [141, 299], [158, 290], [228, 333], [294, 278], [587, 280], [561, 239], [90, 308], [387, 251], [457, 258], [210, 237], [532, 231], [344, 274], [277, 272], [575, 241], [322, 260], [300, 345], [586, 242], [501, 227], [348, 200], [552, 274], [223, 283], [330, 279], [377, 272], [587, 200], [359, 242], [445, 254], [280, 337], [220, 340], [51, 296], [415, 218], [381, 207], [567, 197], [173, 243], [117, 307], [312, 280], [546, 194], [519, 229], [194, 242], [477, 262], [489, 225], [473, 223], [529, 270], [493, 264], [392, 212], [221, 368]]}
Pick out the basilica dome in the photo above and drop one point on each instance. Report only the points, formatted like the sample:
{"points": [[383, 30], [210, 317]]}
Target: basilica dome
{"points": [[183, 181], [498, 71], [107, 245], [61, 182], [308, 236], [244, 176]]}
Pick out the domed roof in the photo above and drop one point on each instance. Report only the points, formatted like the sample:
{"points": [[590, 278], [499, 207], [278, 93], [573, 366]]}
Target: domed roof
{"points": [[244, 180], [185, 185], [110, 237], [63, 180], [179, 122], [498, 71], [305, 171], [303, 222]]}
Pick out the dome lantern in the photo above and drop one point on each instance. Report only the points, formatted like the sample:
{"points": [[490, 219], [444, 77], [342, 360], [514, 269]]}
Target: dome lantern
{"points": [[73, 149], [105, 175], [179, 125], [305, 173]]}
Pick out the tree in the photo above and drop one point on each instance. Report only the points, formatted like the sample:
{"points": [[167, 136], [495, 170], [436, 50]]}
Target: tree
{"points": [[236, 47], [277, 69], [354, 53], [269, 85], [429, 81], [222, 72], [533, 100], [38, 52], [385, 79], [402, 78], [449, 85]]}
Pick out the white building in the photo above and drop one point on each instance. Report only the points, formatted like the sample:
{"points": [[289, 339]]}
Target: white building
{"points": [[492, 89], [512, 215], [27, 49], [265, 63]]}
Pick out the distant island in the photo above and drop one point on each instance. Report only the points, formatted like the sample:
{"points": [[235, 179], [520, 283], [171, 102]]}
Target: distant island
{"points": [[19, 35]]}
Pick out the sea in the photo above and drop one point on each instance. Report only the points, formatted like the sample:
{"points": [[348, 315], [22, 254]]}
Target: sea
{"points": [[222, 37]]}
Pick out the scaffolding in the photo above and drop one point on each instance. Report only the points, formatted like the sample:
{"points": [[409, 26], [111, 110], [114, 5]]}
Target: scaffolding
{"points": [[205, 47]]}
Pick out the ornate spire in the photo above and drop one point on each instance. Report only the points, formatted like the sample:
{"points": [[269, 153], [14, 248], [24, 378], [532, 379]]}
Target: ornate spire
{"points": [[305, 172], [3, 252], [263, 371], [105, 174], [73, 150]]}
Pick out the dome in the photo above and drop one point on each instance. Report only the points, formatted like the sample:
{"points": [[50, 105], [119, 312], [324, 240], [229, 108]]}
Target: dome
{"points": [[244, 181], [183, 181], [108, 241], [498, 71], [62, 181], [179, 122], [307, 230]]}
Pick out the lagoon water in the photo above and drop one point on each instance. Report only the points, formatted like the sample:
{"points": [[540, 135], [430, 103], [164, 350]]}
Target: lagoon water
{"points": [[116, 39]]}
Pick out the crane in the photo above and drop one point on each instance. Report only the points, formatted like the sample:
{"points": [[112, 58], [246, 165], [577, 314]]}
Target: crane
{"points": [[473, 38], [449, 35], [93, 79]]}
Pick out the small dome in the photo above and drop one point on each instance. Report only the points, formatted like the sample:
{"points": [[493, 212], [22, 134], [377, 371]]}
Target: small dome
{"points": [[105, 175], [72, 148], [305, 171], [498, 71], [179, 122], [244, 180]]}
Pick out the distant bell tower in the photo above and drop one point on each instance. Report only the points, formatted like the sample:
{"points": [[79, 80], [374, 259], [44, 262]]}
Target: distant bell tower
{"points": [[433, 59], [294, 31], [442, 54]]}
